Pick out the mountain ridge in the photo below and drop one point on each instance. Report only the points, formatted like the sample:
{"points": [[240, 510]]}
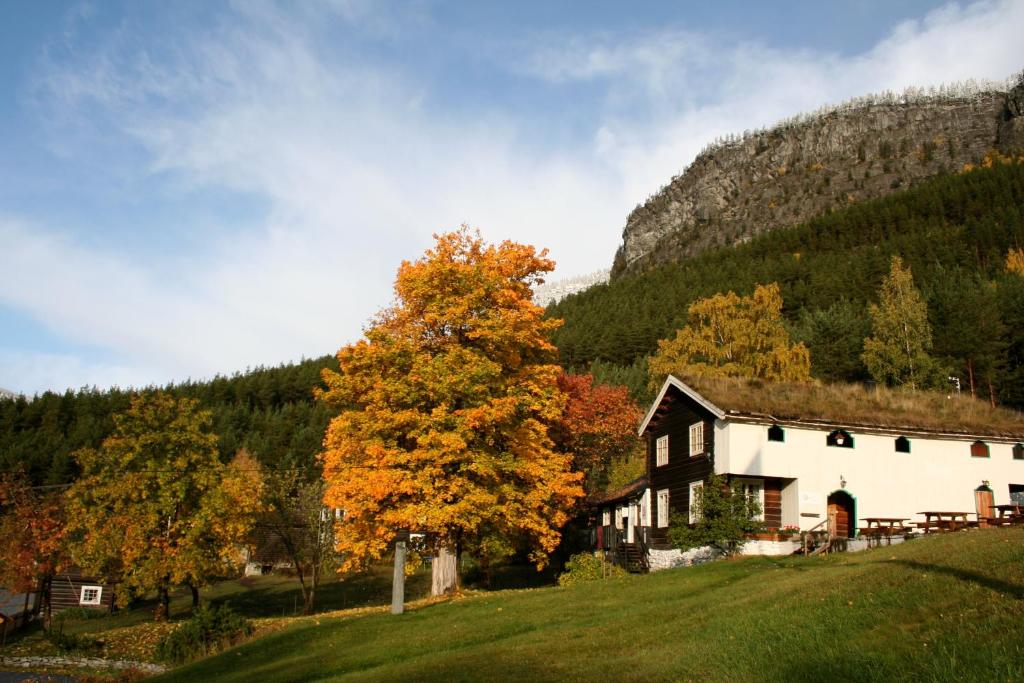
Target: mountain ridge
{"points": [[867, 148]]}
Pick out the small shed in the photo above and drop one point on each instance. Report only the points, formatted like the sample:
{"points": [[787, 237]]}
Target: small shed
{"points": [[72, 589]]}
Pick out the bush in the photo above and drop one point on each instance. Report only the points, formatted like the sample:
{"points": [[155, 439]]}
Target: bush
{"points": [[69, 642], [588, 567], [210, 630]]}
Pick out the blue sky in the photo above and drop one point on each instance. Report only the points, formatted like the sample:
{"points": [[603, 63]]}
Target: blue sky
{"points": [[193, 188]]}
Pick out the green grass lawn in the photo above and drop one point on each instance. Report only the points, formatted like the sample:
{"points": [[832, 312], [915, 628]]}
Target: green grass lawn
{"points": [[942, 608]]}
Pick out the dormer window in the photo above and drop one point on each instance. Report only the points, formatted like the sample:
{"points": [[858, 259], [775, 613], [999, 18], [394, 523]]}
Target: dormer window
{"points": [[840, 438], [979, 449], [902, 445], [776, 433]]}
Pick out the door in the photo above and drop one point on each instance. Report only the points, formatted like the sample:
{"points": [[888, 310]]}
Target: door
{"points": [[841, 514]]}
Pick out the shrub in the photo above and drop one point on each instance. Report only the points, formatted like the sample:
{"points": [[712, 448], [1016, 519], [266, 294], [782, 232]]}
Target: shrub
{"points": [[725, 516], [210, 630], [588, 567], [69, 642]]}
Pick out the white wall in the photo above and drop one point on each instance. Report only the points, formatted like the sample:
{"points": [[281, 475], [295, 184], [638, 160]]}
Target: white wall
{"points": [[937, 474]]}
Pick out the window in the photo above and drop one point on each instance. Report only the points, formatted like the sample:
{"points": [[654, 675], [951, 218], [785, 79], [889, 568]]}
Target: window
{"points": [[1017, 493], [618, 518], [661, 457], [662, 508], [695, 486], [91, 595], [1018, 452], [776, 433], [753, 489], [696, 438], [902, 445], [645, 508], [839, 438], [606, 517], [979, 449]]}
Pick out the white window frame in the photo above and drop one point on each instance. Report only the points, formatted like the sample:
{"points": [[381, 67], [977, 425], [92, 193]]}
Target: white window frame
{"points": [[98, 600], [645, 508], [618, 517], [760, 485], [694, 487], [606, 517], [696, 438], [661, 451], [663, 508]]}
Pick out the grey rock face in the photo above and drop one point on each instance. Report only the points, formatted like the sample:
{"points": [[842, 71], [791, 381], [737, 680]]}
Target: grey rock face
{"points": [[787, 175]]}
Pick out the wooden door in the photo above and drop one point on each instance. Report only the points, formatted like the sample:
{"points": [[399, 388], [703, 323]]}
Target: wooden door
{"points": [[840, 515]]}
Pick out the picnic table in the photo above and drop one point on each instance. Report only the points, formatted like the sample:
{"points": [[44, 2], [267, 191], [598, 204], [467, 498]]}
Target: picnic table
{"points": [[883, 527], [1008, 513], [944, 521]]}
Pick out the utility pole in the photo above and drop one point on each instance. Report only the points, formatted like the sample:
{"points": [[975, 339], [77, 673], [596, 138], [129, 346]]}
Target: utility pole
{"points": [[398, 580]]}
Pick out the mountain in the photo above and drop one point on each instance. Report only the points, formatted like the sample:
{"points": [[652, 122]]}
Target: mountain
{"points": [[866, 148], [551, 292], [4, 393], [954, 231]]}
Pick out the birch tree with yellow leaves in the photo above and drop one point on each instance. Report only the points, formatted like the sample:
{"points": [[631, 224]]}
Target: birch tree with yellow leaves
{"points": [[445, 410], [728, 335]]}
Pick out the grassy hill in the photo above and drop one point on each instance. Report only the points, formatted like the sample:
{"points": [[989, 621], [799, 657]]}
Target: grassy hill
{"points": [[943, 608]]}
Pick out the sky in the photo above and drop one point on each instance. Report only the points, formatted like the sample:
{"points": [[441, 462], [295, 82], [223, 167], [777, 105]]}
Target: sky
{"points": [[194, 188]]}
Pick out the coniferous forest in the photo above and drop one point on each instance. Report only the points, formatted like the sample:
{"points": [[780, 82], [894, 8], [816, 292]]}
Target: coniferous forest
{"points": [[953, 231], [269, 411]]}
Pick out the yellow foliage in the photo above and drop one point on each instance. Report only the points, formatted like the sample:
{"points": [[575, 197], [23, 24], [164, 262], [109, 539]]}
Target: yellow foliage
{"points": [[1015, 261], [732, 336], [445, 408]]}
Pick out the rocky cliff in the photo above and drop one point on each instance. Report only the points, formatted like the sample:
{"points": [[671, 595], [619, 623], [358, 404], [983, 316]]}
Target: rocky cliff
{"points": [[783, 176]]}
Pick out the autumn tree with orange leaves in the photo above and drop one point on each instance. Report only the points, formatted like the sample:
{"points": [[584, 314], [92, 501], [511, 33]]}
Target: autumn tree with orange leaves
{"points": [[598, 425], [32, 532], [445, 412], [155, 507]]}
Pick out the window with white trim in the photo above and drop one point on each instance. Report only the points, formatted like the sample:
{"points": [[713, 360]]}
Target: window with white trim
{"points": [[695, 486], [661, 454], [696, 438], [91, 595], [606, 517], [662, 508], [753, 489], [618, 517]]}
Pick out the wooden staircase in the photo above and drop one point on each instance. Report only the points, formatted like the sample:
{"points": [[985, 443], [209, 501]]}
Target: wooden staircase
{"points": [[633, 557]]}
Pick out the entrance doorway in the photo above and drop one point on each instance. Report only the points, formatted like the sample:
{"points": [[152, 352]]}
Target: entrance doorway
{"points": [[841, 515]]}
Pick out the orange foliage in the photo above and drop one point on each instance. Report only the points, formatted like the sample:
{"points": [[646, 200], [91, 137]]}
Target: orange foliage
{"points": [[446, 406], [599, 424], [32, 529]]}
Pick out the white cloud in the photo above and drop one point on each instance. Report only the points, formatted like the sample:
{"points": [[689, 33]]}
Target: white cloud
{"points": [[357, 171]]}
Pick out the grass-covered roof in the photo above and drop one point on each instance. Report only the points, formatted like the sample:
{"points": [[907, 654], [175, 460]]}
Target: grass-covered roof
{"points": [[858, 405]]}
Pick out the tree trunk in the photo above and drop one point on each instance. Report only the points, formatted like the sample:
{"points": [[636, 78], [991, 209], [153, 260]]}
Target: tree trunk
{"points": [[195, 596], [444, 572], [163, 608], [970, 377]]}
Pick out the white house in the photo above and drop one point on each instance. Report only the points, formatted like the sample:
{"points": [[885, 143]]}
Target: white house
{"points": [[811, 452]]}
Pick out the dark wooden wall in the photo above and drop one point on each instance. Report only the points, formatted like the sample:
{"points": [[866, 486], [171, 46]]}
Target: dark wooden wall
{"points": [[67, 590], [681, 468]]}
